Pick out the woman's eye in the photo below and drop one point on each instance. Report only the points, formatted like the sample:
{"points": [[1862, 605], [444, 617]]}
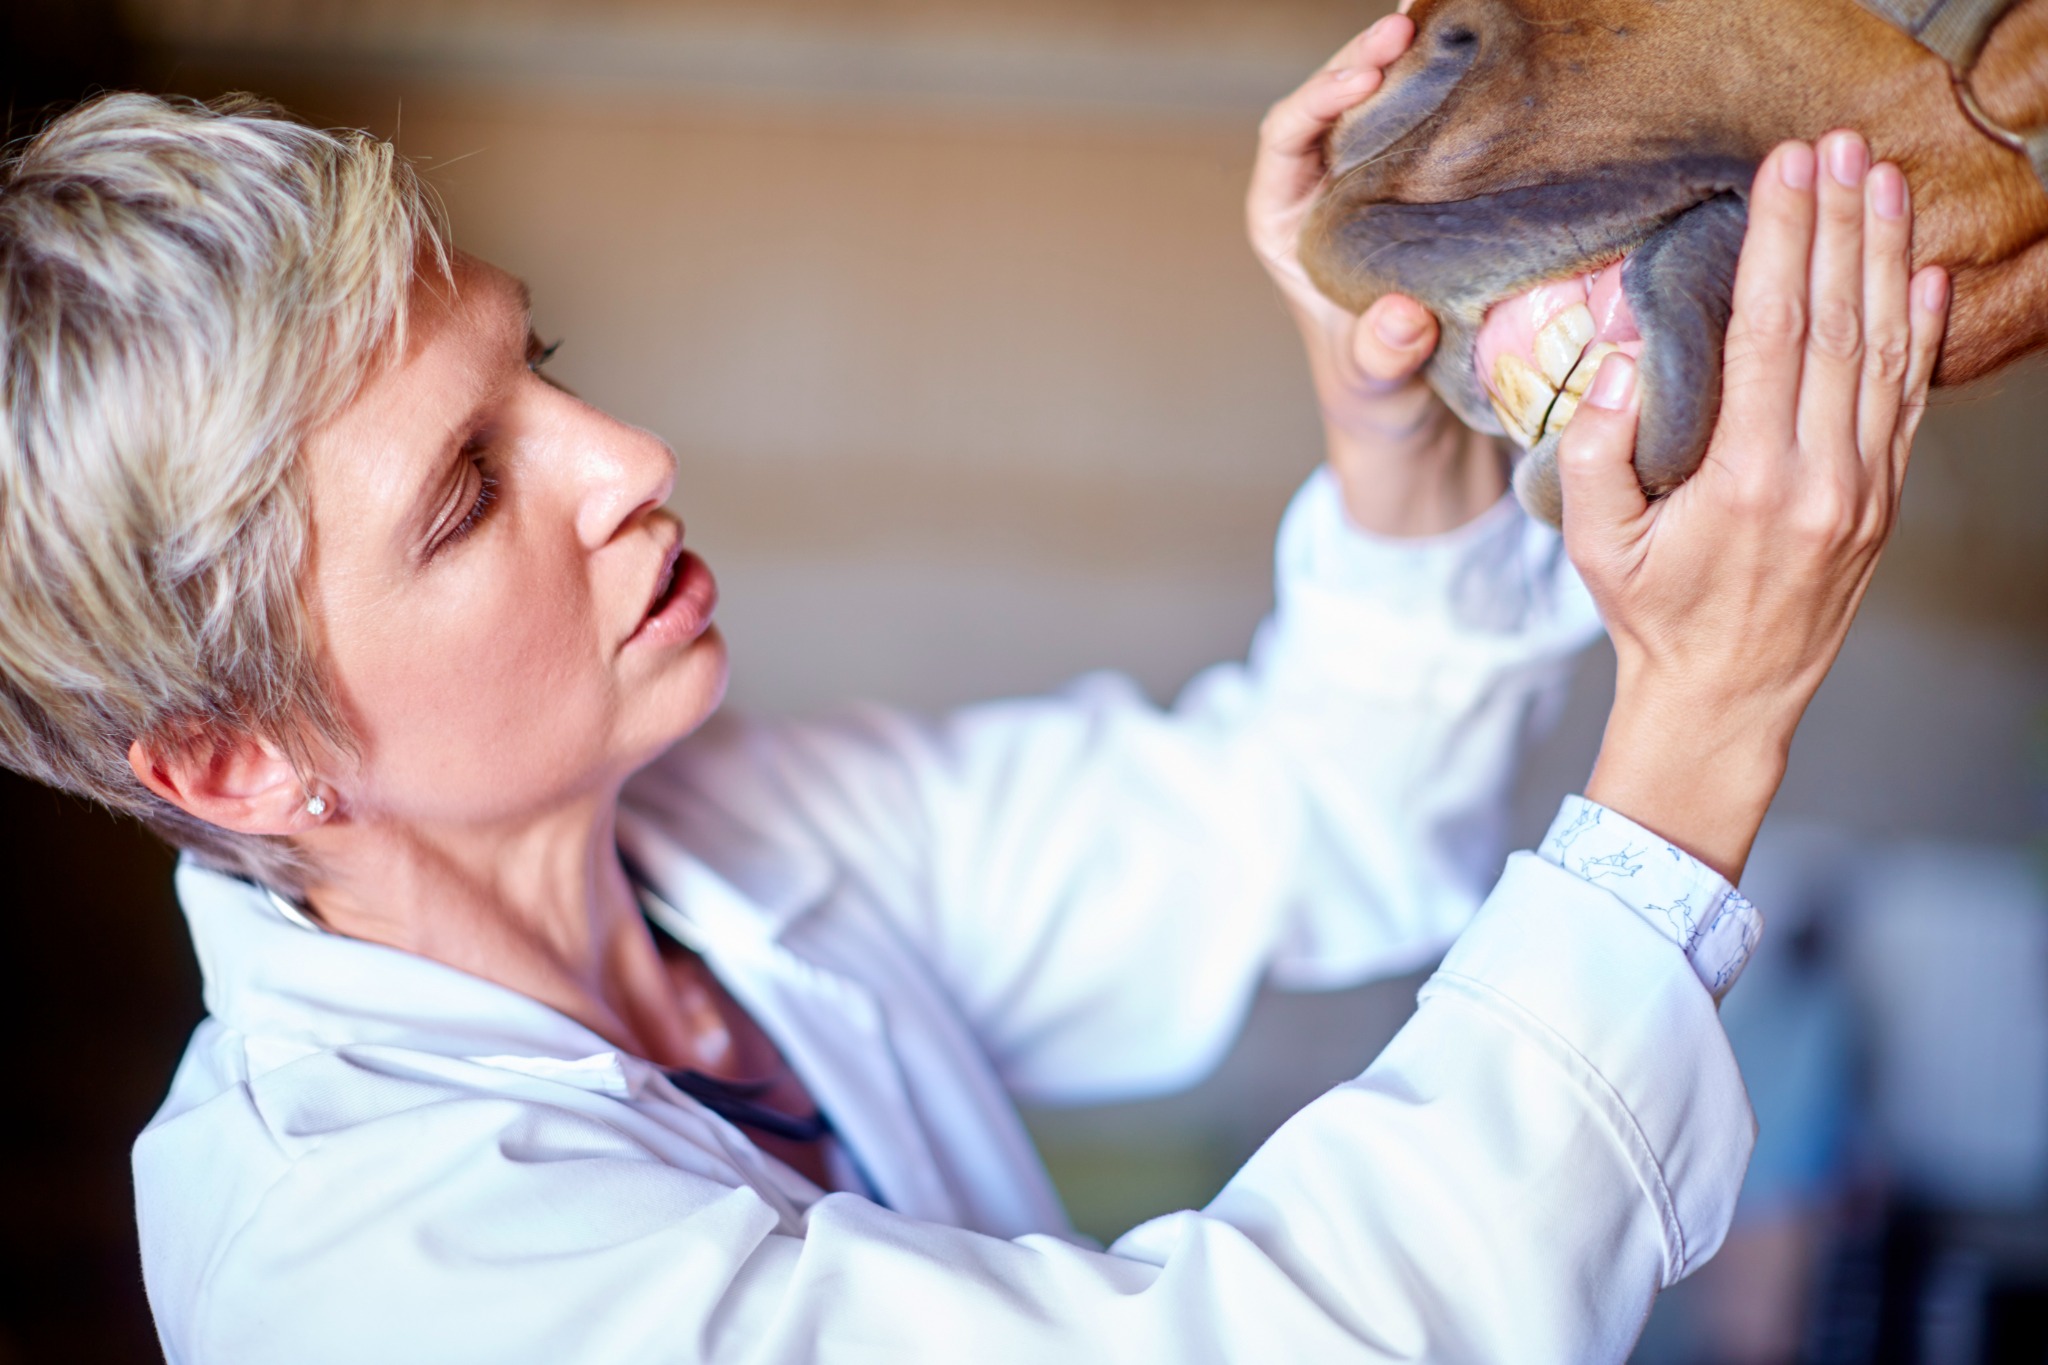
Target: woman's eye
{"points": [[486, 494], [538, 355]]}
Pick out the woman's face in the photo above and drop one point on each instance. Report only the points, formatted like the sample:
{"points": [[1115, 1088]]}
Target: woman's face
{"points": [[503, 603]]}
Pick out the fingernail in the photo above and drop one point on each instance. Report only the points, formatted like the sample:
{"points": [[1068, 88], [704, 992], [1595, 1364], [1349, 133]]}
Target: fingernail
{"points": [[1795, 166], [1379, 25], [1888, 191], [1399, 327], [1848, 159], [1934, 292], [1347, 75], [1613, 385]]}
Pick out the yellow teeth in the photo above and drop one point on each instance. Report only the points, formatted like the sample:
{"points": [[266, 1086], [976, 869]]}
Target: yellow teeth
{"points": [[1562, 341], [1561, 412], [1530, 404], [1575, 387], [1520, 398], [1589, 365]]}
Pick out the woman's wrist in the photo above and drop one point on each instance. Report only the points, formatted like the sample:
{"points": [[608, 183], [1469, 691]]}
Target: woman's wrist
{"points": [[1697, 769], [1431, 477]]}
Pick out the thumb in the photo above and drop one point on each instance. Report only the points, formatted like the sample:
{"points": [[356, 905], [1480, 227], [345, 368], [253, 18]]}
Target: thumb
{"points": [[1596, 459], [1393, 338]]}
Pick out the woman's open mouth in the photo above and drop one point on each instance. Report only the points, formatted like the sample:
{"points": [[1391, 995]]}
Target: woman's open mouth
{"points": [[685, 596]]}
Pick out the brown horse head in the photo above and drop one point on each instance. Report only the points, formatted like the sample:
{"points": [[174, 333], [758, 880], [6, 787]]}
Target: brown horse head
{"points": [[1554, 177]]}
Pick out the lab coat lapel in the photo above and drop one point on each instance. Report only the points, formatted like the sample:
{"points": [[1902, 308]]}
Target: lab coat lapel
{"points": [[829, 1027]]}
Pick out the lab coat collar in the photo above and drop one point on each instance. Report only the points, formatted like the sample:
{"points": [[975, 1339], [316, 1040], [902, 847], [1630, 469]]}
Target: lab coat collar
{"points": [[266, 976], [291, 990], [270, 979]]}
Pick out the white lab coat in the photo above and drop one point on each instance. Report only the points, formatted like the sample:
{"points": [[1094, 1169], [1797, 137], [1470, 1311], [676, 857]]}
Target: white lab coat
{"points": [[368, 1156]]}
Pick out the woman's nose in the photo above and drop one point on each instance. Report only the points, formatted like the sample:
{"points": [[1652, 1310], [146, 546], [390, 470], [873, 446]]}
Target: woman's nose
{"points": [[628, 472]]}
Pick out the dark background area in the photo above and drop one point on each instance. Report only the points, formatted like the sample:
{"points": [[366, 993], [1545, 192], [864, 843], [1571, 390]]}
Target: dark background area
{"points": [[99, 992], [97, 986]]}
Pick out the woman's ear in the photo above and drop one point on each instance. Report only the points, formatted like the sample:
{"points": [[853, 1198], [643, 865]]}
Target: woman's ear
{"points": [[240, 783]]}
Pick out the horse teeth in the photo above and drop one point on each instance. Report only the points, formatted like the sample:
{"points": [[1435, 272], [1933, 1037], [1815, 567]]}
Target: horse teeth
{"points": [[1561, 412], [1510, 424], [1562, 341], [1520, 397], [1589, 365]]}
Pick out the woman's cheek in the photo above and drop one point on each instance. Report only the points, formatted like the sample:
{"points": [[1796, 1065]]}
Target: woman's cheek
{"points": [[454, 716]]}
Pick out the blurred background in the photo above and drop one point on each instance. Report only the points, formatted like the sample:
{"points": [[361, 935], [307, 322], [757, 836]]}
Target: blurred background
{"points": [[946, 308]]}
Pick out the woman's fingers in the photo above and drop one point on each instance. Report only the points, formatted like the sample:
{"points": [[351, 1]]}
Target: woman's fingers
{"points": [[1887, 317], [1393, 339], [1831, 380], [1290, 161], [1929, 304], [1596, 465], [1767, 330]]}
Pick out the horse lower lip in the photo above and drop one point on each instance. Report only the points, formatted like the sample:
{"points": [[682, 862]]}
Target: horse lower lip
{"points": [[1681, 284]]}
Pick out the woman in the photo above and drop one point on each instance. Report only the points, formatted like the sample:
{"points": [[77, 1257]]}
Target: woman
{"points": [[552, 1019]]}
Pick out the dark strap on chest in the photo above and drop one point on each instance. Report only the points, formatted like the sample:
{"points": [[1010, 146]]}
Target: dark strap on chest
{"points": [[739, 1103], [1956, 31]]}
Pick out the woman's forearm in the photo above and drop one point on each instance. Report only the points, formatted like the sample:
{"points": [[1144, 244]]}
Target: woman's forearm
{"points": [[1431, 477], [1728, 599]]}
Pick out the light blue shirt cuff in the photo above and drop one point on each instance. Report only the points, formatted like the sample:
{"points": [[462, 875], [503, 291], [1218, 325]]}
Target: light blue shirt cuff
{"points": [[1693, 905]]}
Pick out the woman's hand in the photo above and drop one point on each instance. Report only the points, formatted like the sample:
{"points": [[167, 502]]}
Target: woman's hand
{"points": [[1407, 466], [1729, 599]]}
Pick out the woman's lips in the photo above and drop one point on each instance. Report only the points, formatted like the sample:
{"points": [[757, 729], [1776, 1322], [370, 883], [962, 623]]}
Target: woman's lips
{"points": [[682, 609]]}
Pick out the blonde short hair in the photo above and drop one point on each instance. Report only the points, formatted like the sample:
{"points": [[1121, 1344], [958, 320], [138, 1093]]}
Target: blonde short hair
{"points": [[186, 291]]}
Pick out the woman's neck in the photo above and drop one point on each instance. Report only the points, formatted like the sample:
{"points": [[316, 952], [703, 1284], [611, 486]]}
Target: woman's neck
{"points": [[544, 908]]}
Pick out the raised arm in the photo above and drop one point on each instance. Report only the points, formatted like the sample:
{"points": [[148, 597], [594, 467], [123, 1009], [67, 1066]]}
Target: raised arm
{"points": [[1560, 1130], [1728, 600]]}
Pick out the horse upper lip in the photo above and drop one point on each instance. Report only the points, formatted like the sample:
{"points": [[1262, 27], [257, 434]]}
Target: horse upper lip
{"points": [[1461, 255]]}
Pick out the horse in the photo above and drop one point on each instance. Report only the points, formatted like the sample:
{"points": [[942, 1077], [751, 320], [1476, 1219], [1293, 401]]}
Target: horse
{"points": [[1555, 179]]}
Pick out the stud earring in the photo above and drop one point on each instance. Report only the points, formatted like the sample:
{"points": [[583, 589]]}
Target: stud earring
{"points": [[316, 806]]}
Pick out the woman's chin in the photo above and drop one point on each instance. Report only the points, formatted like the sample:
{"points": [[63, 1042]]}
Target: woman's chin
{"points": [[686, 693]]}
